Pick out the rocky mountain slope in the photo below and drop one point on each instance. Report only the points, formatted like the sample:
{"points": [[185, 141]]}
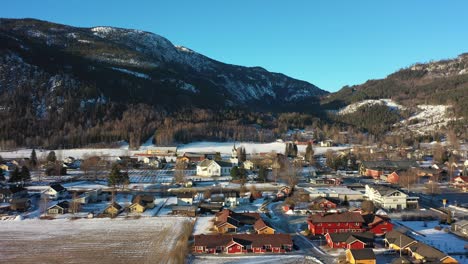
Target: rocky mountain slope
{"points": [[135, 66], [423, 98]]}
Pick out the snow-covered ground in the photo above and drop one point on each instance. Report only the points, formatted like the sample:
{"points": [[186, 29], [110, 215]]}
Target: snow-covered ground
{"points": [[250, 147], [354, 107], [203, 225], [254, 259], [224, 148], [429, 118], [104, 240]]}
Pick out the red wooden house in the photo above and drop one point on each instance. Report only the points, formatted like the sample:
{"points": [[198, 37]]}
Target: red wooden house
{"points": [[350, 240], [393, 177], [242, 243], [320, 224], [378, 224], [323, 203]]}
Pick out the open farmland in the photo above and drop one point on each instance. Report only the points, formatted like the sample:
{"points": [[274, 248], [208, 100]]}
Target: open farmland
{"points": [[155, 240]]}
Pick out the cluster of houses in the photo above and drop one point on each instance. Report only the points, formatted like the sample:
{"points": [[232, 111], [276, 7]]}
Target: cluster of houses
{"points": [[415, 251], [259, 237], [351, 230]]}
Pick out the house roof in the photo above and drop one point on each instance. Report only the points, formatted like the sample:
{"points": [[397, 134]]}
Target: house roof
{"points": [[373, 219], [401, 260], [255, 240], [461, 223], [390, 164], [185, 195], [399, 239], [57, 187], [427, 252], [463, 178], [349, 237], [63, 204], [322, 200], [241, 218], [345, 217], [115, 205], [260, 224], [384, 190], [206, 163], [362, 254]]}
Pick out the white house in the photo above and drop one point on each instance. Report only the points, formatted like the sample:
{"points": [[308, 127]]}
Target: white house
{"points": [[248, 165], [56, 191], [185, 199], [388, 198], [152, 161], [210, 168], [231, 198]]}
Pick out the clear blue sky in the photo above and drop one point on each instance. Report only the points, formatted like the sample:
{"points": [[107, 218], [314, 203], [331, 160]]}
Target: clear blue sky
{"points": [[328, 43]]}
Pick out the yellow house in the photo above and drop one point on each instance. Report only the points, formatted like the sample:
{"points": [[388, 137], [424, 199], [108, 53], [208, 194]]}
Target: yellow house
{"points": [[262, 228], [113, 209], [360, 256], [397, 240], [136, 208], [225, 227], [425, 253]]}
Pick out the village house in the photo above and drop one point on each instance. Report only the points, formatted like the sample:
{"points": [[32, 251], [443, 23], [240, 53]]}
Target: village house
{"points": [[242, 243], [228, 221], [389, 198], [360, 256], [321, 203], [377, 224], [56, 192], [392, 178], [113, 209], [186, 210], [9, 194], [350, 240], [191, 157], [60, 208], [153, 162], [261, 227], [424, 253], [461, 228], [339, 193], [376, 168], [320, 224], [140, 203], [185, 198], [398, 241], [325, 181], [460, 182], [231, 198], [248, 165], [211, 168]]}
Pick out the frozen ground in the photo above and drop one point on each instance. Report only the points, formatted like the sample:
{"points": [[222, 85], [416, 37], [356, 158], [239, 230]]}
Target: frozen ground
{"points": [[89, 240], [203, 146], [280, 259], [250, 147], [203, 225]]}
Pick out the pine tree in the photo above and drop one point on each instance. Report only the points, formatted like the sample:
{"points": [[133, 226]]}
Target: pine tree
{"points": [[217, 157], [15, 175], [2, 175], [262, 174], [114, 176], [33, 159], [25, 175], [235, 173], [51, 157]]}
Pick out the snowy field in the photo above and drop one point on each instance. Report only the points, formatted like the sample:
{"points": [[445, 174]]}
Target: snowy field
{"points": [[259, 259], [89, 240], [224, 148], [250, 147]]}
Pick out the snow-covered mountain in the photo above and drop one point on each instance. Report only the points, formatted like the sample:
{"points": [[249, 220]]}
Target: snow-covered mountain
{"points": [[137, 66]]}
